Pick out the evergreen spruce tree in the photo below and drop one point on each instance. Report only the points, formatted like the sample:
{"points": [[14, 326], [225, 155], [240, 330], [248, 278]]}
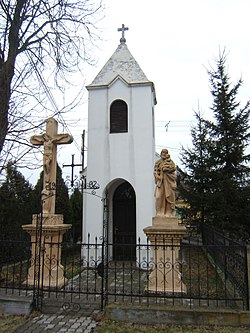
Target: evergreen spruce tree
{"points": [[194, 184], [62, 198], [36, 195], [76, 201], [217, 167], [15, 204], [230, 135]]}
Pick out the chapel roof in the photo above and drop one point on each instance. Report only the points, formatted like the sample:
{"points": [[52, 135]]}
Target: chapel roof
{"points": [[121, 64]]}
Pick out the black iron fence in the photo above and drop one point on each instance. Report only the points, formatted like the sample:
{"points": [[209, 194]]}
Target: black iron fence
{"points": [[190, 274]]}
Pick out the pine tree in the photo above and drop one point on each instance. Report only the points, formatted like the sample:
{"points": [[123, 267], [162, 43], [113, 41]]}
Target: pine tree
{"points": [[15, 204], [217, 171]]}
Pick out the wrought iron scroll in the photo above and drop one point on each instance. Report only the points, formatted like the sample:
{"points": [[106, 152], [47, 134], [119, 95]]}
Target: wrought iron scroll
{"points": [[73, 181]]}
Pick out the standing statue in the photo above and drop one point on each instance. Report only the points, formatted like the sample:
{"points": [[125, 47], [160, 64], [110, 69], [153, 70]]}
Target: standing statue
{"points": [[165, 180]]}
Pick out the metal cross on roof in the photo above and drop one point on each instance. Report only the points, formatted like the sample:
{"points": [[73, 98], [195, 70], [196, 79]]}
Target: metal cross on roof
{"points": [[123, 29]]}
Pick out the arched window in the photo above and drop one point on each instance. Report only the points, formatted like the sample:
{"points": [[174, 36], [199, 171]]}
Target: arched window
{"points": [[118, 117]]}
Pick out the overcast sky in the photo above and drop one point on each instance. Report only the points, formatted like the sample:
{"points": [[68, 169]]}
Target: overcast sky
{"points": [[174, 42]]}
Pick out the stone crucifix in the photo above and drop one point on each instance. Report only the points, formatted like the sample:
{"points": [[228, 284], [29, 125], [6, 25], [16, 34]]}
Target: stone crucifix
{"points": [[50, 139]]}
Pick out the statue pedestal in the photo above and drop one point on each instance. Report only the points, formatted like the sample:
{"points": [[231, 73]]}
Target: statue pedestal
{"points": [[165, 236], [46, 268]]}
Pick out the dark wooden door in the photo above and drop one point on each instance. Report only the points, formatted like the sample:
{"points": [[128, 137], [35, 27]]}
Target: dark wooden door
{"points": [[124, 222]]}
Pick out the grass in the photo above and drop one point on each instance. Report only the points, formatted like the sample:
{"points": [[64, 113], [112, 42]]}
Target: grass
{"points": [[200, 277], [73, 269], [14, 274], [107, 326], [8, 324], [71, 261]]}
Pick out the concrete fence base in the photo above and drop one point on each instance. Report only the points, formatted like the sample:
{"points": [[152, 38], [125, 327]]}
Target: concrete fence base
{"points": [[177, 316], [15, 305]]}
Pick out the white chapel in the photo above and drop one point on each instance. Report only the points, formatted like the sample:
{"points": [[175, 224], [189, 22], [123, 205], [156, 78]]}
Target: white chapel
{"points": [[121, 152]]}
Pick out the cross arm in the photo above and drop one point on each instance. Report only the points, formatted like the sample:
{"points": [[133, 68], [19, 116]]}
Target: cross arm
{"points": [[62, 139], [37, 140]]}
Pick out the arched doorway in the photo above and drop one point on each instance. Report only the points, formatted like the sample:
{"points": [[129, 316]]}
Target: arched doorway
{"points": [[124, 222]]}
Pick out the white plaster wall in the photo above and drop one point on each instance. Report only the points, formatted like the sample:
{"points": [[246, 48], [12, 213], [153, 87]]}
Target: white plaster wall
{"points": [[121, 155]]}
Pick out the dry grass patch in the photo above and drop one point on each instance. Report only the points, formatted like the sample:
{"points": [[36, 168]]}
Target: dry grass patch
{"points": [[107, 326], [8, 324]]}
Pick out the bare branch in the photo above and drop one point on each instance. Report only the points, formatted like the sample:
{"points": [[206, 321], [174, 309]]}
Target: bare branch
{"points": [[54, 37]]}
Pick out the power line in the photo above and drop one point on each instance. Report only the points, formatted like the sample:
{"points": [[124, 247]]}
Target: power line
{"points": [[176, 121], [172, 148]]}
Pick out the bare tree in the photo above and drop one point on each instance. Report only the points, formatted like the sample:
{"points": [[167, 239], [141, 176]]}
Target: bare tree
{"points": [[55, 37]]}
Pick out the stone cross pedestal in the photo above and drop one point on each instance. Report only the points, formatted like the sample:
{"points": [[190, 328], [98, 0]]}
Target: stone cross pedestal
{"points": [[47, 229], [165, 236]]}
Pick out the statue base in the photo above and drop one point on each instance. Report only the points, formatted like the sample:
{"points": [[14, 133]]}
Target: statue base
{"points": [[165, 236], [46, 269]]}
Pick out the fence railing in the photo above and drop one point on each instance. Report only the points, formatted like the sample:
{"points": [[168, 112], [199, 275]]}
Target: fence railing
{"points": [[147, 279]]}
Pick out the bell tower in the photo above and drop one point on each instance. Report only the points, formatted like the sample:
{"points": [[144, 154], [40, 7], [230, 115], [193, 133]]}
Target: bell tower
{"points": [[121, 148]]}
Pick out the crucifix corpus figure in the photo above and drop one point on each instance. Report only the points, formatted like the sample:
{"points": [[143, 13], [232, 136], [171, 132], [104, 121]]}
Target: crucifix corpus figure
{"points": [[50, 139]]}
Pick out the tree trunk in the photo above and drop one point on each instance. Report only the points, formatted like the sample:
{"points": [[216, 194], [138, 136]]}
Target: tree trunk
{"points": [[7, 70], [5, 83]]}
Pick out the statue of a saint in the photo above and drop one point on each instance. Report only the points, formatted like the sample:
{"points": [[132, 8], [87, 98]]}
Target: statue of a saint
{"points": [[165, 180]]}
